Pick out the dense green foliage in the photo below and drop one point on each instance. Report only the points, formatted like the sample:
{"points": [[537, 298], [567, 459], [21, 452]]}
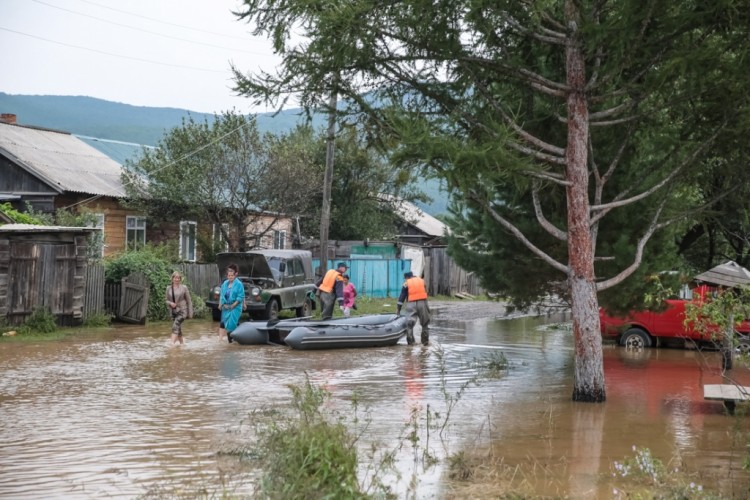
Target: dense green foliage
{"points": [[477, 93], [152, 263], [227, 173], [28, 217], [362, 176]]}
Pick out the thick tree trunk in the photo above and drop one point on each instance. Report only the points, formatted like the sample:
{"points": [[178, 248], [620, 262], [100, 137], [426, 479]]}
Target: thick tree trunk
{"points": [[589, 366]]}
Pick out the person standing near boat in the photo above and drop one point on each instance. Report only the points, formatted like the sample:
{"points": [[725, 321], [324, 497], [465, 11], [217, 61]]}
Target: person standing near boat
{"points": [[180, 305], [350, 295], [331, 288], [414, 292], [230, 302]]}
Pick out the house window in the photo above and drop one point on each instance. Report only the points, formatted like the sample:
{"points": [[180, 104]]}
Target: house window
{"points": [[96, 240], [135, 232], [188, 230], [279, 239], [220, 242]]}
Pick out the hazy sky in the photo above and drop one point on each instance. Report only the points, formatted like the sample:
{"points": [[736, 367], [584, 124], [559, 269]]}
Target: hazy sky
{"points": [[167, 53]]}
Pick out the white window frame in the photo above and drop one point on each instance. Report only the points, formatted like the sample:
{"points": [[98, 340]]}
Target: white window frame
{"points": [[135, 225], [188, 240], [279, 239]]}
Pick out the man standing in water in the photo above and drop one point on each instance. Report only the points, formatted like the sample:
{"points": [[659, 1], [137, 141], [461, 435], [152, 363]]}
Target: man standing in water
{"points": [[331, 288], [415, 292]]}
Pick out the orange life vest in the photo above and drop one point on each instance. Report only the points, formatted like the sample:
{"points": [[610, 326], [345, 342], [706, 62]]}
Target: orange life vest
{"points": [[417, 290], [329, 281]]}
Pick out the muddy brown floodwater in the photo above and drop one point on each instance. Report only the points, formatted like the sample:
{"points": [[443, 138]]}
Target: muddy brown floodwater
{"points": [[120, 413]]}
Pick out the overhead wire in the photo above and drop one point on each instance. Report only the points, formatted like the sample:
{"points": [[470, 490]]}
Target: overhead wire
{"points": [[139, 59], [162, 21], [145, 30], [167, 165]]}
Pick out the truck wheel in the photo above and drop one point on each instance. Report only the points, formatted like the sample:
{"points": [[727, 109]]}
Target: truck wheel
{"points": [[635, 338], [215, 314], [743, 345], [272, 310], [305, 310]]}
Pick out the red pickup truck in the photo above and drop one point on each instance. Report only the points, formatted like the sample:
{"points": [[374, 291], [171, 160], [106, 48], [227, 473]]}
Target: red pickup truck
{"points": [[647, 328]]}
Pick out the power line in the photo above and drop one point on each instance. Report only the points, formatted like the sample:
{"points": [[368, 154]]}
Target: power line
{"points": [[163, 22], [169, 164], [111, 54], [147, 31]]}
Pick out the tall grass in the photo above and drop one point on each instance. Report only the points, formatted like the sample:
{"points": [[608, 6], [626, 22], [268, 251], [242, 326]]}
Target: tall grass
{"points": [[308, 456]]}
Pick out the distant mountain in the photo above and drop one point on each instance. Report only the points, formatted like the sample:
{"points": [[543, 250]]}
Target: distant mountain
{"points": [[141, 125], [93, 117]]}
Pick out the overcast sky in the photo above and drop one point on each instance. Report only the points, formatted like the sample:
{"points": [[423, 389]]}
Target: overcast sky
{"points": [[165, 53]]}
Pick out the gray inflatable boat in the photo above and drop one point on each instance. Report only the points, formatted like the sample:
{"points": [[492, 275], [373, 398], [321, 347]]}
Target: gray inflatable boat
{"points": [[372, 330]]}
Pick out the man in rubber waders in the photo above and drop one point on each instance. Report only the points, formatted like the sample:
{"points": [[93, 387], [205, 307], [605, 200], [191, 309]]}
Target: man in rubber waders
{"points": [[414, 292], [331, 288]]}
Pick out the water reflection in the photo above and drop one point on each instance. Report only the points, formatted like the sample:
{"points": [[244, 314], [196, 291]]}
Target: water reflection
{"points": [[120, 412]]}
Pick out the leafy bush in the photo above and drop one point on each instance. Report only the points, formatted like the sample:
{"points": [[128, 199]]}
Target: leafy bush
{"points": [[200, 310], [41, 321], [148, 260], [28, 217]]}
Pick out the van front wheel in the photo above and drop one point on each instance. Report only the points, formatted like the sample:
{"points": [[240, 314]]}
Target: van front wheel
{"points": [[635, 338]]}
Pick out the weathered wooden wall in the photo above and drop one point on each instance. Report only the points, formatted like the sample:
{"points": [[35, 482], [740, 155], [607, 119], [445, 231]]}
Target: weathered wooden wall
{"points": [[42, 271], [444, 277]]}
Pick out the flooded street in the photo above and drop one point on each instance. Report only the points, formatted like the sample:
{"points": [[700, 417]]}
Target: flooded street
{"points": [[120, 413]]}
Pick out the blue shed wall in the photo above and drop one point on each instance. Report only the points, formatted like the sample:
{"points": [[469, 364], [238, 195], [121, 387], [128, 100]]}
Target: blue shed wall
{"points": [[374, 277]]}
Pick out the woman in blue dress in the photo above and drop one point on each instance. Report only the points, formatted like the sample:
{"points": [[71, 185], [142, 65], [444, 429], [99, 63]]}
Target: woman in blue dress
{"points": [[230, 302]]}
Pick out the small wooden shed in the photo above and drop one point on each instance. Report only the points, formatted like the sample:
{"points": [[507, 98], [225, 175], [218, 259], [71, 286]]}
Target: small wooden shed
{"points": [[42, 266]]}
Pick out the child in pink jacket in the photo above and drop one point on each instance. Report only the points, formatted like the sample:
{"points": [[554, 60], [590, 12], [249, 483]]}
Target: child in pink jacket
{"points": [[350, 295]]}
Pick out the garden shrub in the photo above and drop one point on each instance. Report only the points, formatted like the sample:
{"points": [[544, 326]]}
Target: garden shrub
{"points": [[149, 261], [41, 321]]}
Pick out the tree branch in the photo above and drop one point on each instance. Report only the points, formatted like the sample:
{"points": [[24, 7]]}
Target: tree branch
{"points": [[546, 225], [519, 235]]}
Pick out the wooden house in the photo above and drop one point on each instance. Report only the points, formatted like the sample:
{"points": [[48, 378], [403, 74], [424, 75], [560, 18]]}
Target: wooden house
{"points": [[49, 170]]}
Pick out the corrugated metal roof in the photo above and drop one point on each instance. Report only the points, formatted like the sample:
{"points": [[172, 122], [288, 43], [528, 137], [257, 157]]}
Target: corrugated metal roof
{"points": [[62, 160], [729, 274], [417, 217]]}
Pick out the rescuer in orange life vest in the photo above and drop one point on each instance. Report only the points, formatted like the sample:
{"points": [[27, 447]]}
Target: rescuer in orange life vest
{"points": [[415, 292], [331, 288]]}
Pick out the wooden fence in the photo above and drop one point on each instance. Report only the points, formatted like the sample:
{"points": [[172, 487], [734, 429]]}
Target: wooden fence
{"points": [[94, 291], [105, 298], [199, 278], [443, 276]]}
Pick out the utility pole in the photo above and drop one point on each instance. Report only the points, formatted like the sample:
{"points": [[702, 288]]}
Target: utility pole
{"points": [[325, 215]]}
